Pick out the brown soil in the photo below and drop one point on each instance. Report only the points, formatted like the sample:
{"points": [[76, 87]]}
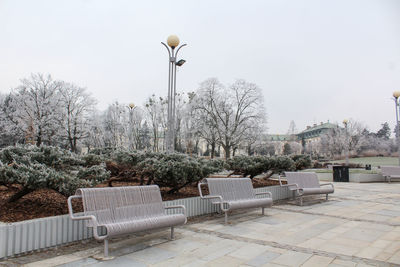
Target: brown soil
{"points": [[47, 202]]}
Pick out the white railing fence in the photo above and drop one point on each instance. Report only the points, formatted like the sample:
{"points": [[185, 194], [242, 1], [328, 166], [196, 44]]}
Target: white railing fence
{"points": [[26, 236]]}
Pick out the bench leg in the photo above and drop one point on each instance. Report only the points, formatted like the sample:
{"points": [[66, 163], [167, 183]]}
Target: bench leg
{"points": [[226, 217], [105, 248], [172, 232], [293, 195], [301, 200], [326, 196], [263, 213]]}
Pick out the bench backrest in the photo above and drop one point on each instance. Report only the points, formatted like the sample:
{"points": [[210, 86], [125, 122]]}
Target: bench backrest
{"points": [[302, 179], [116, 204], [390, 170], [230, 188]]}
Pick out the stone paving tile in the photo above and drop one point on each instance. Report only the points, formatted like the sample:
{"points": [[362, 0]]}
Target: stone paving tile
{"points": [[152, 255], [195, 263], [369, 252], [292, 258], [339, 262], [319, 261], [339, 249], [123, 261], [395, 258], [248, 251], [54, 261], [82, 262], [262, 259], [362, 234], [225, 261]]}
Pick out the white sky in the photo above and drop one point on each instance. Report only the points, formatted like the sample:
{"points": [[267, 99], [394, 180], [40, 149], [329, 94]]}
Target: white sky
{"points": [[314, 59]]}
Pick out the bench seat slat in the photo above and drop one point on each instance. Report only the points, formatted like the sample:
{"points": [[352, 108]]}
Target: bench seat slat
{"points": [[124, 227]]}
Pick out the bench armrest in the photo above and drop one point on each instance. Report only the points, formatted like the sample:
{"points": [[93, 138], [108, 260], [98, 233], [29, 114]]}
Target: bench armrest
{"points": [[296, 185], [264, 193], [326, 184], [280, 182], [178, 207], [72, 215], [208, 196]]}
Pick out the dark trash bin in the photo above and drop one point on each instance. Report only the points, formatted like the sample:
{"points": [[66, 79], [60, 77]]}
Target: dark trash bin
{"points": [[340, 173]]}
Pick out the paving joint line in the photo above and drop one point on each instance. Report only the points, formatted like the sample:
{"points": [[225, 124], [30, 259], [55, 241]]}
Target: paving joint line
{"points": [[290, 247], [336, 216], [374, 191], [365, 200]]}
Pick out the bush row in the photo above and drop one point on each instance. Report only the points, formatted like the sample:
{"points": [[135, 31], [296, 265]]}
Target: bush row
{"points": [[256, 165], [34, 167]]}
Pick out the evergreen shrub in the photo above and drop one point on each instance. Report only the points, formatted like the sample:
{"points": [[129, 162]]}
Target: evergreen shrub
{"points": [[34, 167]]}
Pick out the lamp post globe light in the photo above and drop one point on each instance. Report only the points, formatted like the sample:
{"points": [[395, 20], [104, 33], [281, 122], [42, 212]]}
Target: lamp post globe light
{"points": [[346, 122], [173, 43], [396, 95]]}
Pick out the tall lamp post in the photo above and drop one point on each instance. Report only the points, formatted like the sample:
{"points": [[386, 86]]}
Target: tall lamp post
{"points": [[173, 42], [131, 107], [396, 96], [346, 122]]}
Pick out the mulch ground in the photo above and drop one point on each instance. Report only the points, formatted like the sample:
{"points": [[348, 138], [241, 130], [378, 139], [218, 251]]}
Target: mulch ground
{"points": [[47, 202]]}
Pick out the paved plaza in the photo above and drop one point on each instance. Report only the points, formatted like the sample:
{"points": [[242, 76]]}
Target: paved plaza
{"points": [[358, 226]]}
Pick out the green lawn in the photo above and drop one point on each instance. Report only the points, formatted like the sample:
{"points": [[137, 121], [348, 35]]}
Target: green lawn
{"points": [[374, 161]]}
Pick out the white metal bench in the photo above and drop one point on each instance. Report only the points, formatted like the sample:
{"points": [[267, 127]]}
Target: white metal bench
{"points": [[390, 172], [123, 210], [234, 193], [306, 183]]}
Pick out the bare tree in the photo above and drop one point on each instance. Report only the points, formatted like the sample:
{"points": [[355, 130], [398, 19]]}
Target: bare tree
{"points": [[77, 104], [36, 104], [115, 123], [336, 140], [232, 111], [156, 114]]}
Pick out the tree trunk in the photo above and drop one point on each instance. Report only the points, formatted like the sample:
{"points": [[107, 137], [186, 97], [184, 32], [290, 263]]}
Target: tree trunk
{"points": [[227, 150], [24, 191], [212, 150]]}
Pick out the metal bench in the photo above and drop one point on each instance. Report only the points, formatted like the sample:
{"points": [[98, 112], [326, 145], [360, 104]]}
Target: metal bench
{"points": [[390, 172], [306, 183], [234, 193], [123, 210]]}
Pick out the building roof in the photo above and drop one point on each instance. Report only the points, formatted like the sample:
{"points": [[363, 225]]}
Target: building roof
{"points": [[326, 125], [280, 137]]}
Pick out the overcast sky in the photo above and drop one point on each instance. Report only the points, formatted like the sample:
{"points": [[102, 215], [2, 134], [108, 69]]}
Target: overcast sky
{"points": [[315, 60]]}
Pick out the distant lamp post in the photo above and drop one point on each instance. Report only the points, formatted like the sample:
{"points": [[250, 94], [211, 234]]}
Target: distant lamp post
{"points": [[346, 122], [131, 107], [173, 42], [396, 95]]}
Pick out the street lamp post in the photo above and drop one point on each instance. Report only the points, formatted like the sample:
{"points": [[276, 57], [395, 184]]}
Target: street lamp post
{"points": [[396, 96], [131, 107], [346, 122], [173, 42]]}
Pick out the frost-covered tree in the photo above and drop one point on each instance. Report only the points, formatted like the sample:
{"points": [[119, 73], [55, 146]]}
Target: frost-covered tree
{"points": [[232, 110], [34, 108], [335, 141], [115, 123], [77, 105], [156, 113]]}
